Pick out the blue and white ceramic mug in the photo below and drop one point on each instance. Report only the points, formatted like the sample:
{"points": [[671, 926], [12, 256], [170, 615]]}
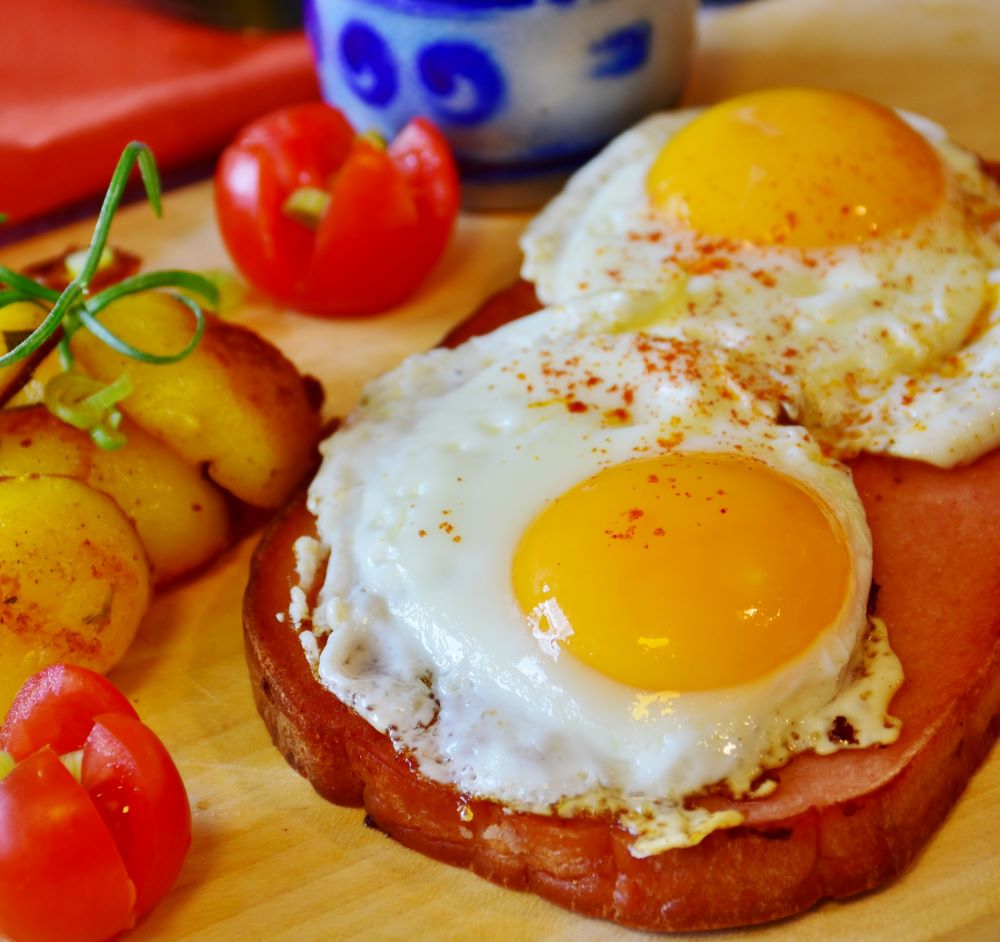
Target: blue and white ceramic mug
{"points": [[525, 90]]}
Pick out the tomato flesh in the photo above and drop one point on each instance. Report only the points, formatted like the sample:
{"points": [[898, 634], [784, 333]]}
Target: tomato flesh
{"points": [[137, 790], [61, 875], [390, 214], [81, 860], [371, 217], [422, 156], [56, 707]]}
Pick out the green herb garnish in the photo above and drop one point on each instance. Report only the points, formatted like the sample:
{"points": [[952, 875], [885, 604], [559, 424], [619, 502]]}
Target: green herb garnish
{"points": [[81, 400], [87, 403], [73, 763]]}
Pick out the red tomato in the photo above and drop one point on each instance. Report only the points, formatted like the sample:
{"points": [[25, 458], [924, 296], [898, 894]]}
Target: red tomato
{"points": [[138, 791], [381, 220], [56, 707], [82, 860], [62, 878]]}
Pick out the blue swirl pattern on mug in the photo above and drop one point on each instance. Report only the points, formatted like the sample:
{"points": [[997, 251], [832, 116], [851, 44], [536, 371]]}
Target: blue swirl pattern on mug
{"points": [[623, 51], [457, 7], [369, 65], [521, 88], [465, 85]]}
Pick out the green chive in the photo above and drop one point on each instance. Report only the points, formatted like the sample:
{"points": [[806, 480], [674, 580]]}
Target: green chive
{"points": [[76, 308]]}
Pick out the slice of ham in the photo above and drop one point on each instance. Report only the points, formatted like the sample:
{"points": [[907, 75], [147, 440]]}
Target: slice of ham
{"points": [[835, 826]]}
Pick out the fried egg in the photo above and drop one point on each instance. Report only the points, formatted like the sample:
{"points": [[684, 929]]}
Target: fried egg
{"points": [[572, 566], [853, 248]]}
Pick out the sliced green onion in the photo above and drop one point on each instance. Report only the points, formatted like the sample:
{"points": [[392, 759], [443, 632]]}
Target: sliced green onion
{"points": [[7, 764], [73, 763], [89, 405], [76, 308], [108, 436], [306, 205], [75, 394], [375, 137]]}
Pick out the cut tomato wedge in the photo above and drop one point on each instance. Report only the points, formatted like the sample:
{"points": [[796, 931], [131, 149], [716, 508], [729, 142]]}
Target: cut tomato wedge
{"points": [[56, 707], [137, 790], [62, 878], [81, 860]]}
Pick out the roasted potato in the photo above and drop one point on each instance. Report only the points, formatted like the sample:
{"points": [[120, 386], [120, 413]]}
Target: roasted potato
{"points": [[32, 389], [235, 404], [17, 320], [182, 519], [74, 578]]}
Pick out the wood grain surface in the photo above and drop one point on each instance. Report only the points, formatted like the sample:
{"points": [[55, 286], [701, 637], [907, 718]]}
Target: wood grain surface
{"points": [[272, 861]]}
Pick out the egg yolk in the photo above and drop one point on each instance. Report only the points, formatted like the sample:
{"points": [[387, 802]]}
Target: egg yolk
{"points": [[689, 571], [797, 167]]}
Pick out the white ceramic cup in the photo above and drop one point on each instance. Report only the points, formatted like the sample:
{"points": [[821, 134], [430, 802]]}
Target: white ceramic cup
{"points": [[525, 90]]}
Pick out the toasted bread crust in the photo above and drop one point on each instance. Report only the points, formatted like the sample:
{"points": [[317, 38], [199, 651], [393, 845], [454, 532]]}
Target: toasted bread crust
{"points": [[836, 826]]}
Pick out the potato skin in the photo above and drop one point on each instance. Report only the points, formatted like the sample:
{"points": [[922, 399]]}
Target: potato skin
{"points": [[235, 404], [74, 578], [182, 519]]}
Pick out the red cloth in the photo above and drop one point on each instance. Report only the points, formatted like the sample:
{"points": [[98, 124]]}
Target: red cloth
{"points": [[79, 79]]}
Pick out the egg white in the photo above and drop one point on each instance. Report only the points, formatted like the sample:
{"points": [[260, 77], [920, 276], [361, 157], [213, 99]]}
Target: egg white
{"points": [[867, 335], [421, 501]]}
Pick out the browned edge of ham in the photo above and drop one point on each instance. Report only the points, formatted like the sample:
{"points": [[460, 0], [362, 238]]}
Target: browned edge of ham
{"points": [[835, 826]]}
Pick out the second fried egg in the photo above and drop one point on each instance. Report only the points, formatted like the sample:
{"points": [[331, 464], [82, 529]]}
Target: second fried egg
{"points": [[855, 249]]}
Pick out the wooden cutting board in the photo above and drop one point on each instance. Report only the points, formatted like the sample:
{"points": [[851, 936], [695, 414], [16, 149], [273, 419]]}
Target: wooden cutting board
{"points": [[270, 860]]}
